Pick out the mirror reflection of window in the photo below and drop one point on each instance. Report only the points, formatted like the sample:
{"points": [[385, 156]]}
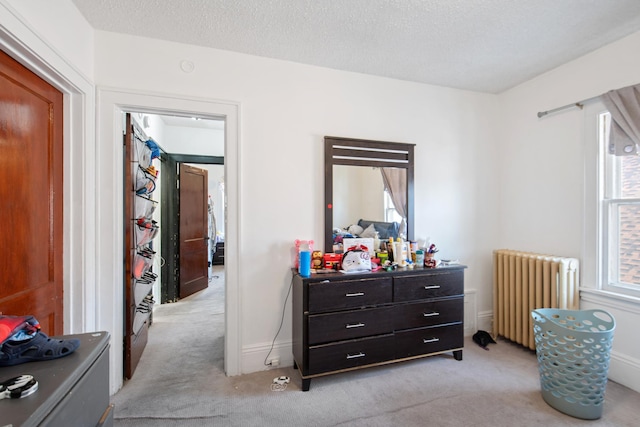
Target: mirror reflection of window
{"points": [[390, 212]]}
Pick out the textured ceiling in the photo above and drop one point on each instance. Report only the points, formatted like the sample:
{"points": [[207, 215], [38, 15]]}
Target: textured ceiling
{"points": [[480, 45]]}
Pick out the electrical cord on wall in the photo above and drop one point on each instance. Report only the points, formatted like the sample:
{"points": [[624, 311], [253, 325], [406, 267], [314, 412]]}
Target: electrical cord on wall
{"points": [[281, 322]]}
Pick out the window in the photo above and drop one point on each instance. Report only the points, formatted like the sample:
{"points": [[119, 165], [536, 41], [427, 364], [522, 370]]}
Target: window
{"points": [[390, 212], [619, 217]]}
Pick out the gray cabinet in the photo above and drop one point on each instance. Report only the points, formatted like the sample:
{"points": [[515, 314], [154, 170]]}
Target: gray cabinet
{"points": [[72, 390], [343, 322]]}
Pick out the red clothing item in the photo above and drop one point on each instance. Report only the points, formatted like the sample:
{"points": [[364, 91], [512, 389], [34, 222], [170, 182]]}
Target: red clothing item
{"points": [[11, 325]]}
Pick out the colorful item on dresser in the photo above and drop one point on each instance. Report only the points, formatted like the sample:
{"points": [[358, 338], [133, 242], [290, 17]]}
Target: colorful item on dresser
{"points": [[356, 258], [302, 245], [18, 328], [22, 341]]}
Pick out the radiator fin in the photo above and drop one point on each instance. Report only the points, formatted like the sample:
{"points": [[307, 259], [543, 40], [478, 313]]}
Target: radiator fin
{"points": [[525, 281]]}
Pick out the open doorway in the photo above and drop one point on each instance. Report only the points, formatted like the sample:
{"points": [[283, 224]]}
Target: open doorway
{"points": [[110, 103], [193, 208], [188, 219]]}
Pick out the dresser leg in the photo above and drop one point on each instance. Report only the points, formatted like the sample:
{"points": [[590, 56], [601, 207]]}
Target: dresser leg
{"points": [[306, 383], [457, 354], [295, 365]]}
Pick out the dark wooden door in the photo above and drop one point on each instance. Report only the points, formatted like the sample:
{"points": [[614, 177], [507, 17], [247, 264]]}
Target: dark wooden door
{"points": [[193, 230], [31, 210], [170, 207], [135, 336]]}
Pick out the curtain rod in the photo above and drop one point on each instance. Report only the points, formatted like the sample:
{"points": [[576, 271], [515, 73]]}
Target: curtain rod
{"points": [[579, 104]]}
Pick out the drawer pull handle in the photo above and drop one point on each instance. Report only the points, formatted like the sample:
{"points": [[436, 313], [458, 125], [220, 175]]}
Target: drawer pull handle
{"points": [[355, 356], [432, 287], [355, 294], [355, 325], [427, 341], [433, 313]]}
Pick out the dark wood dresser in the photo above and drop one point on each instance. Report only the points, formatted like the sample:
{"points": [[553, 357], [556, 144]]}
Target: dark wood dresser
{"points": [[218, 255], [343, 322]]}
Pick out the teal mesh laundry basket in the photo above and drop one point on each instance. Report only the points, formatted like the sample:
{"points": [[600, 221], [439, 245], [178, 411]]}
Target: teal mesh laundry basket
{"points": [[573, 349]]}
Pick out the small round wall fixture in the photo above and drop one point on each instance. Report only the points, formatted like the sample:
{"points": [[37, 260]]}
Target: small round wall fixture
{"points": [[187, 66]]}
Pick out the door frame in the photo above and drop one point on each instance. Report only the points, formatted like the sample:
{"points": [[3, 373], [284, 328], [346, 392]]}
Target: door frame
{"points": [[169, 209], [22, 42], [111, 103]]}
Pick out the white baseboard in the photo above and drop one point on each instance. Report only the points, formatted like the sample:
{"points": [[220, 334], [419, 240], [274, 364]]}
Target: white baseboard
{"points": [[624, 370], [470, 312], [485, 321], [253, 357], [474, 320], [624, 363]]}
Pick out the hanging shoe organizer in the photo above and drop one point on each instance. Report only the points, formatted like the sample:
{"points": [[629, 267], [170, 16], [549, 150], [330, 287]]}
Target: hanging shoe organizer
{"points": [[145, 229]]}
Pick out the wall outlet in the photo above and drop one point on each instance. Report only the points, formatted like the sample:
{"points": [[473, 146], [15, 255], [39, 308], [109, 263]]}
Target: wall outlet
{"points": [[274, 362]]}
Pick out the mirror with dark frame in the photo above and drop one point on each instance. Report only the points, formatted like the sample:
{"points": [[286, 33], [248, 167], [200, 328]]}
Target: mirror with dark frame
{"points": [[357, 172]]}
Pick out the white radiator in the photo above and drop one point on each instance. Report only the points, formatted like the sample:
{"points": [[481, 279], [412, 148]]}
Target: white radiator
{"points": [[524, 281]]}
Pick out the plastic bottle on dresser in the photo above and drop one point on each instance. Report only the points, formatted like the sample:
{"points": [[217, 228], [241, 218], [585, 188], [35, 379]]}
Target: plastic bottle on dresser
{"points": [[401, 251], [391, 248], [376, 242]]}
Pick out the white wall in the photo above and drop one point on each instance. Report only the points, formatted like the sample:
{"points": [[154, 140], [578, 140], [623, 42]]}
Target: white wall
{"points": [[363, 198], [286, 110], [63, 27], [156, 128], [481, 160], [188, 140], [543, 167]]}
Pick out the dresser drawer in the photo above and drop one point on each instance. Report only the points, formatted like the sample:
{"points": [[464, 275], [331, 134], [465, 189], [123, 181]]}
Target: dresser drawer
{"points": [[350, 354], [440, 284], [433, 339], [351, 324], [342, 294], [428, 313]]}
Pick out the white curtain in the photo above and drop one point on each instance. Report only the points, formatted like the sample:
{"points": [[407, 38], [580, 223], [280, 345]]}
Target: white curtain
{"points": [[624, 106], [395, 182]]}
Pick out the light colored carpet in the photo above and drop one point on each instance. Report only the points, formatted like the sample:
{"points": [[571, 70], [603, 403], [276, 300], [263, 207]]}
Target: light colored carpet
{"points": [[180, 382]]}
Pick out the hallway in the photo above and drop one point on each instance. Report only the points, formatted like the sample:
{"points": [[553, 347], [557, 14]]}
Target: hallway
{"points": [[184, 354]]}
